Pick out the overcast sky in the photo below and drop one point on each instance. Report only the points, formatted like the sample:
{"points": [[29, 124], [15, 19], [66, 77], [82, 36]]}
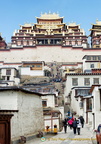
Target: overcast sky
{"points": [[18, 12]]}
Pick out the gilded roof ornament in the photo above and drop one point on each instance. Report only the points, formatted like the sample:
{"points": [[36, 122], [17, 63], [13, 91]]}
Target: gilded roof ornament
{"points": [[98, 22], [49, 16]]}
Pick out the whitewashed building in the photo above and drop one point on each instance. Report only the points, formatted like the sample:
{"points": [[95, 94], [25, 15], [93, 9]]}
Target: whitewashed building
{"points": [[91, 63], [75, 99], [32, 68], [79, 84], [25, 107], [9, 76], [96, 106], [49, 100], [92, 107]]}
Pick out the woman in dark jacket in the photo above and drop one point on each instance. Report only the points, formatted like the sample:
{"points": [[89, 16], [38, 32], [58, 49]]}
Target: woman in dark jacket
{"points": [[74, 125], [82, 120], [65, 125]]}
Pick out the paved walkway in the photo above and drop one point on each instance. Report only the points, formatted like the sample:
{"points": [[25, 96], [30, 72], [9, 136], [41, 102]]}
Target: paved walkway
{"points": [[68, 138]]}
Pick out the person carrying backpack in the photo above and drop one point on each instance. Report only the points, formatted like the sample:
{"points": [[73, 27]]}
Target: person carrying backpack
{"points": [[74, 125], [82, 121], [78, 126]]}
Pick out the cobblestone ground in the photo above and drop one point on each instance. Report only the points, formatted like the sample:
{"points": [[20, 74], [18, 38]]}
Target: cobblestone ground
{"points": [[85, 137]]}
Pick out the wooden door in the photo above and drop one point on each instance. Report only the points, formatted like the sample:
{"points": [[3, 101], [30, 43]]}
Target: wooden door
{"points": [[5, 130], [2, 133]]}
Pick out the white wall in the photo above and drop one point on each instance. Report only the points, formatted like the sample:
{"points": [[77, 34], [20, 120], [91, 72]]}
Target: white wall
{"points": [[97, 118], [29, 118], [30, 114], [87, 65], [96, 99], [96, 106], [74, 103], [84, 107], [36, 73], [24, 70], [27, 71], [90, 118], [47, 54], [50, 100], [8, 100]]}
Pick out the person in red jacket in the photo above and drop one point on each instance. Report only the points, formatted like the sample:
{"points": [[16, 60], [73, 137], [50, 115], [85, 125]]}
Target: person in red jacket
{"points": [[70, 122], [72, 118]]}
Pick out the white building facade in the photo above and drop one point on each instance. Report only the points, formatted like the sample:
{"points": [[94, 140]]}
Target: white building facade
{"points": [[96, 106], [79, 85], [91, 62], [10, 76], [29, 118]]}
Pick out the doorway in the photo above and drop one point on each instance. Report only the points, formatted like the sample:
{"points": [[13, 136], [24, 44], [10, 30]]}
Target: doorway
{"points": [[5, 130]]}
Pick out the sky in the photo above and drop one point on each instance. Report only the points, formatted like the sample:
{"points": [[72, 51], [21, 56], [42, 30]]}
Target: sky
{"points": [[14, 13]]}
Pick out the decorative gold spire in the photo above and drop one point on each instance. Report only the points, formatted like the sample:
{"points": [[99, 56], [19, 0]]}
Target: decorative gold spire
{"points": [[49, 16]]}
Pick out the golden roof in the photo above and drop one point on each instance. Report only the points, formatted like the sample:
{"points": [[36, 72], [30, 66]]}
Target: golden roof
{"points": [[98, 23], [26, 25], [73, 24], [49, 16]]}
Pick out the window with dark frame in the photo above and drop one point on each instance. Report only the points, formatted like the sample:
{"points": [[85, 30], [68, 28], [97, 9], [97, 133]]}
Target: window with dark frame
{"points": [[96, 81], [44, 103], [94, 57], [8, 72], [88, 57], [92, 66], [86, 81], [74, 81], [82, 92]]}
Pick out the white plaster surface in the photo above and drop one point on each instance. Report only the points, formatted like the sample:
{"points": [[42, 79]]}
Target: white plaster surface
{"points": [[47, 54], [29, 118], [50, 100]]}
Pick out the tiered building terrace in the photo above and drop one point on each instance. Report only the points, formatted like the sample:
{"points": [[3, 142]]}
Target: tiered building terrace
{"points": [[50, 30]]}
